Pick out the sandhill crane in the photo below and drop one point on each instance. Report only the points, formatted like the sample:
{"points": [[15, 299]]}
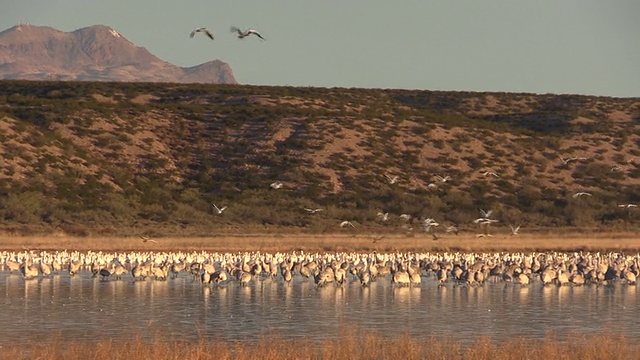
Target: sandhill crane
{"points": [[147, 239], [29, 270], [428, 226], [218, 210], [12, 265], [452, 229], [201, 30], [245, 33]]}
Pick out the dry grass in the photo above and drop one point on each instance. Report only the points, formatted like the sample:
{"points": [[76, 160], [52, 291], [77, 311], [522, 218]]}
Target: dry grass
{"points": [[352, 345], [622, 242]]}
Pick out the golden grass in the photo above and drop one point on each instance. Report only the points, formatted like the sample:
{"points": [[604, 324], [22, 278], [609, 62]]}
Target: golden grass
{"points": [[351, 345], [622, 242]]}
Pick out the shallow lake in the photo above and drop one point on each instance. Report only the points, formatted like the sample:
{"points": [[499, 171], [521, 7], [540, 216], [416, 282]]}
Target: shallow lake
{"points": [[86, 309]]}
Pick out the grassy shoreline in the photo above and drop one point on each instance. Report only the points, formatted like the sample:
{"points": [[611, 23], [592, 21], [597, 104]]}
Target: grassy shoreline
{"points": [[620, 242], [353, 344]]}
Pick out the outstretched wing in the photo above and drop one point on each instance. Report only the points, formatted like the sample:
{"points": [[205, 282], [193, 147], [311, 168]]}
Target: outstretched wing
{"points": [[209, 34]]}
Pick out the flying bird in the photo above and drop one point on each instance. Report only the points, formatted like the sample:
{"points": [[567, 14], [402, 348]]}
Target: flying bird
{"points": [[276, 185], [392, 179], [346, 223], [514, 230], [202, 30], [582, 193], [218, 210], [147, 239], [443, 179], [312, 211], [243, 34]]}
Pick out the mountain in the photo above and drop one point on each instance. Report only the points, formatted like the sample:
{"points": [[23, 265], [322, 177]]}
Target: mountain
{"points": [[94, 53], [120, 158]]}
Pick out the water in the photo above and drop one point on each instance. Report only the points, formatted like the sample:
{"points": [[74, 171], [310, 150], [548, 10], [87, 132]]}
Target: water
{"points": [[88, 309]]}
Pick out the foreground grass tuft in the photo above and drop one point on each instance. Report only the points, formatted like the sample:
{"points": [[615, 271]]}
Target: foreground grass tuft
{"points": [[351, 345]]}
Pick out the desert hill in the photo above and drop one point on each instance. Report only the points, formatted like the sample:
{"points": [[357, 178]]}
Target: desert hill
{"points": [[94, 53], [115, 158]]}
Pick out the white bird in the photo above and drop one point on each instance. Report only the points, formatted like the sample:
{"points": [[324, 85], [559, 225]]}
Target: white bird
{"points": [[312, 211], [202, 30], [392, 179], [443, 179], [573, 158], [514, 230], [243, 34], [405, 217], [218, 210], [582, 193], [485, 214], [276, 184], [346, 223], [627, 206], [383, 216], [489, 173], [617, 168], [428, 226]]}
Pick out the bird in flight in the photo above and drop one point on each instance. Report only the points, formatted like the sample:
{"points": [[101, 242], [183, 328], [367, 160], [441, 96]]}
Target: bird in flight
{"points": [[489, 173], [202, 30], [582, 193], [312, 211], [443, 179], [627, 206], [392, 179], [276, 184], [346, 223], [514, 230], [218, 210], [147, 239], [243, 34]]}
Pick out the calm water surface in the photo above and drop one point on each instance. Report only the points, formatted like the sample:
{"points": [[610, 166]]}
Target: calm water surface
{"points": [[87, 309]]}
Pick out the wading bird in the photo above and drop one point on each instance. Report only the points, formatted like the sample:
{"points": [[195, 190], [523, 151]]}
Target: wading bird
{"points": [[202, 30], [243, 34]]}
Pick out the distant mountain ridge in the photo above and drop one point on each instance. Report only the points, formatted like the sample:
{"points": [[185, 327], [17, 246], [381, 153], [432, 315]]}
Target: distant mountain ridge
{"points": [[93, 53]]}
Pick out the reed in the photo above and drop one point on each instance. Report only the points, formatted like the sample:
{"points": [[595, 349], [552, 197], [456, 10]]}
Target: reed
{"points": [[351, 344], [623, 242]]}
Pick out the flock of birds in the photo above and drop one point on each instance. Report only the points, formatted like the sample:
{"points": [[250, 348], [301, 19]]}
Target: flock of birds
{"points": [[241, 33], [430, 225], [338, 269]]}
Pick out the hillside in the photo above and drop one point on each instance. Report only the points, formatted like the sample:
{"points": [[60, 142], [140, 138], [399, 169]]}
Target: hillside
{"points": [[97, 158], [93, 53]]}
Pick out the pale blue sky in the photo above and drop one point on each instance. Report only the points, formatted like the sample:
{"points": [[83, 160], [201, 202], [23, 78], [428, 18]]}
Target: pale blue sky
{"points": [[587, 47]]}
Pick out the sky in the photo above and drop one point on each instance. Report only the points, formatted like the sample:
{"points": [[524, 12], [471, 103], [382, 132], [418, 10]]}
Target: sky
{"points": [[588, 47]]}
